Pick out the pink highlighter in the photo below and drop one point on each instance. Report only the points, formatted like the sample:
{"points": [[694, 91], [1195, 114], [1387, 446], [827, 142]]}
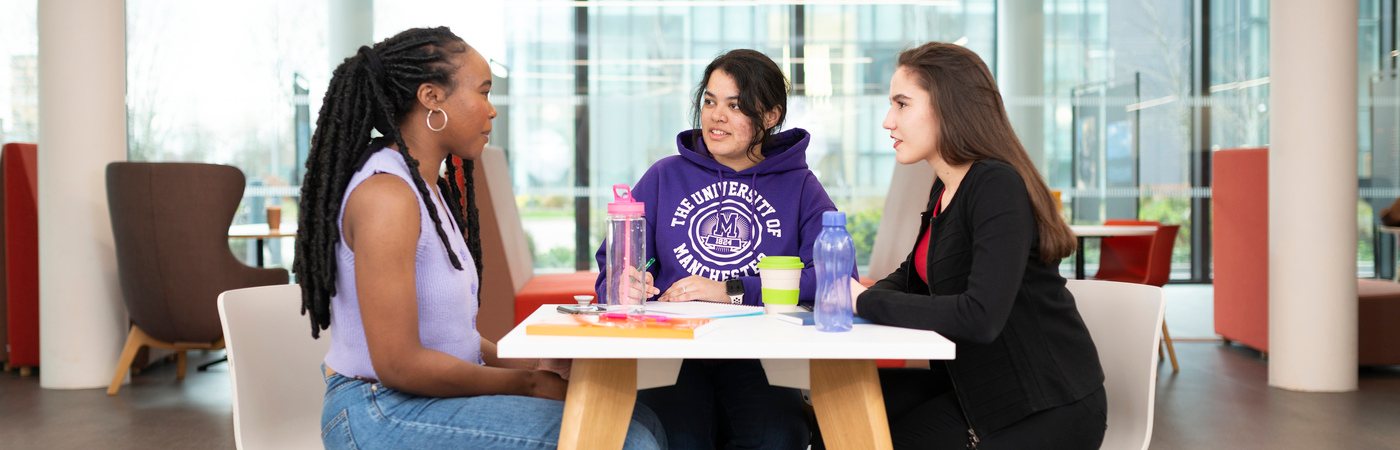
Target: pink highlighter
{"points": [[623, 316]]}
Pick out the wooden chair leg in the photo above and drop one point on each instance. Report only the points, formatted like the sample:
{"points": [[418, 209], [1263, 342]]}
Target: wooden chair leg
{"points": [[1171, 350], [180, 365], [134, 340]]}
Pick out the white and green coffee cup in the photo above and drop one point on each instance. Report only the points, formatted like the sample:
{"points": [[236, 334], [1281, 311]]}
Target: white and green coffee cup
{"points": [[780, 277]]}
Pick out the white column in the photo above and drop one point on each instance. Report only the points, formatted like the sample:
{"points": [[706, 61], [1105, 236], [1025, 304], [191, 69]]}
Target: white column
{"points": [[1312, 195], [351, 25], [1020, 73], [82, 127]]}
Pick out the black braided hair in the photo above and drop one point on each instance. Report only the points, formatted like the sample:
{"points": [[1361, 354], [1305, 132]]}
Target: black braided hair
{"points": [[463, 197], [372, 90]]}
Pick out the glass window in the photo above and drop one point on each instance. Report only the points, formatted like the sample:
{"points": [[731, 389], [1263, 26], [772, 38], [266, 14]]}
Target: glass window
{"points": [[19, 71], [1378, 152], [1239, 100], [1239, 73], [1238, 77], [229, 83], [642, 64], [626, 86], [591, 93], [1118, 88]]}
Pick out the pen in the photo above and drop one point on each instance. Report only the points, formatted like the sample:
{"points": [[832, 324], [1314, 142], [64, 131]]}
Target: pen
{"points": [[640, 277], [644, 268]]}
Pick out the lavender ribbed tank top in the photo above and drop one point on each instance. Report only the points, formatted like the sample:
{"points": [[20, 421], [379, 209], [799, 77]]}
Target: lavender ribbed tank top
{"points": [[447, 304]]}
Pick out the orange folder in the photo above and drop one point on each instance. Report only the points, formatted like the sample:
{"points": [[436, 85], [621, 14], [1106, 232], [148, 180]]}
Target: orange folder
{"points": [[586, 325]]}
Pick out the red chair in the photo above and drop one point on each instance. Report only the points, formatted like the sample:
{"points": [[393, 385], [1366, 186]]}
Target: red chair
{"points": [[1142, 260], [21, 255]]}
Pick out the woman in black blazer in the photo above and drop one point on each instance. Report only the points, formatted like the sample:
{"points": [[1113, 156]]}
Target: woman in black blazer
{"points": [[984, 274]]}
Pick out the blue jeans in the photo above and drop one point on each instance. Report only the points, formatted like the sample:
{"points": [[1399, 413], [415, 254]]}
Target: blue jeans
{"points": [[728, 404], [359, 414]]}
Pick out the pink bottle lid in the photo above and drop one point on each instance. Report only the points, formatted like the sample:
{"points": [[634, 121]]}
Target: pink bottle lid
{"points": [[623, 204]]}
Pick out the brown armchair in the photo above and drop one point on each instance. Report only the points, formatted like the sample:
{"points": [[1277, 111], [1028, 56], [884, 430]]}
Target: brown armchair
{"points": [[170, 223]]}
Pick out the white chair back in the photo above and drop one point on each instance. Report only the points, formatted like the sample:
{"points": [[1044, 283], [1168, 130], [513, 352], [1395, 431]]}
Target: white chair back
{"points": [[899, 224], [1125, 320], [274, 366]]}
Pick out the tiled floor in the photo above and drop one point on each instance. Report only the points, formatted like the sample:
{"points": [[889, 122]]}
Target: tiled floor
{"points": [[1219, 400], [153, 412]]}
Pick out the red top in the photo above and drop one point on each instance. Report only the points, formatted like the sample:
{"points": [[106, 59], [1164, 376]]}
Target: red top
{"points": [[921, 250]]}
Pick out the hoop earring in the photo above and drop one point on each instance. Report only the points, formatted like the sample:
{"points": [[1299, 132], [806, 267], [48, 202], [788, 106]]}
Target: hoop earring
{"points": [[429, 120]]}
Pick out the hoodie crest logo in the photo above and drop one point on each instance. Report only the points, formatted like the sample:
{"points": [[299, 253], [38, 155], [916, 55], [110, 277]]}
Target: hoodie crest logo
{"points": [[725, 232], [725, 224]]}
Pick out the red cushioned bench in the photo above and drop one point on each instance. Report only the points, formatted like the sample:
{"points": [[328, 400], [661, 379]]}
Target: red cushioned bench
{"points": [[1378, 322]]}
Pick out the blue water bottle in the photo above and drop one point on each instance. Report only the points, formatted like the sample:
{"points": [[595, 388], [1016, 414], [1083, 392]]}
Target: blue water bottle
{"points": [[835, 259]]}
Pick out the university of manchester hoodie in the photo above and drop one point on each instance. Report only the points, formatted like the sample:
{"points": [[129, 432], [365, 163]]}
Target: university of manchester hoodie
{"points": [[705, 219]]}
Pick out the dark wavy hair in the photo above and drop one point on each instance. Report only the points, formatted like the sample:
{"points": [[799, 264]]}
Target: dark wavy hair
{"points": [[974, 127], [762, 87], [374, 90]]}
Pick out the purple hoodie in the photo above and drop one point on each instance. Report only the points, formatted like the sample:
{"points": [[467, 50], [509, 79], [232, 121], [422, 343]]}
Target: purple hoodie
{"points": [[703, 218]]}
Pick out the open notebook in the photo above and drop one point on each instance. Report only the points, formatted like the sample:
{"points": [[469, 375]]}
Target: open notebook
{"points": [[699, 309]]}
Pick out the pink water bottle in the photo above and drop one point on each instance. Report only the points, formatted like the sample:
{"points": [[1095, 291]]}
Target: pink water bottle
{"points": [[626, 249]]}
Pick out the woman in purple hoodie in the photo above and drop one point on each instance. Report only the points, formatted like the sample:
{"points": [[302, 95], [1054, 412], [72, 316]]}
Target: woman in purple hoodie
{"points": [[738, 191]]}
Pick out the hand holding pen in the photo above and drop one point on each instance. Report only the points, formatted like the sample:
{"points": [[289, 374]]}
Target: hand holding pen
{"points": [[641, 282]]}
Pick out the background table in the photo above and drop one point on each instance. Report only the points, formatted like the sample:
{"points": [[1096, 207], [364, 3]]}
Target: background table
{"points": [[1396, 232], [260, 232], [1102, 231], [839, 368]]}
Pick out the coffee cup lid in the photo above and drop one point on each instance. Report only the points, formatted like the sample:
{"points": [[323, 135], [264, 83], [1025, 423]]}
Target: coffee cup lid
{"points": [[780, 262]]}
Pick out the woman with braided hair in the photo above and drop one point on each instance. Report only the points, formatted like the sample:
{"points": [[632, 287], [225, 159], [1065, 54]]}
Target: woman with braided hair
{"points": [[387, 259]]}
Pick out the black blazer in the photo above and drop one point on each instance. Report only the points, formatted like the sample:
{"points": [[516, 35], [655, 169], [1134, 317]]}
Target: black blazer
{"points": [[1022, 346]]}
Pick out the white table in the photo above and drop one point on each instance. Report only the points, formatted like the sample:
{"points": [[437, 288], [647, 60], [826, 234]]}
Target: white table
{"points": [[839, 368], [260, 232], [1102, 231]]}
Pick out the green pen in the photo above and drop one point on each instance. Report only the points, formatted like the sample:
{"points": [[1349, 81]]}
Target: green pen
{"points": [[644, 269]]}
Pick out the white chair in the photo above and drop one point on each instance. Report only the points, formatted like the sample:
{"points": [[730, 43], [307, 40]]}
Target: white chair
{"points": [[1125, 320], [274, 366], [899, 223]]}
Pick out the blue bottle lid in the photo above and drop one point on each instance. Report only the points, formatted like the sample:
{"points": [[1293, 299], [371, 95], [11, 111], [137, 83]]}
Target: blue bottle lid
{"points": [[834, 219]]}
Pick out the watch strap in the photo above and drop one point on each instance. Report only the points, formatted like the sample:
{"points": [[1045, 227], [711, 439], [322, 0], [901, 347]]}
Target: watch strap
{"points": [[734, 287]]}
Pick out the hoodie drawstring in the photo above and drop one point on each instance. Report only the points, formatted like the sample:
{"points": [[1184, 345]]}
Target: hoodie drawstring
{"points": [[753, 178]]}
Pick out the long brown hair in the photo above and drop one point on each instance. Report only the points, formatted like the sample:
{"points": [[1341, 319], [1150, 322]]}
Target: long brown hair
{"points": [[974, 127]]}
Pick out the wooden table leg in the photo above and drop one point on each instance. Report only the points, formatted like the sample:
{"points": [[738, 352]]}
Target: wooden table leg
{"points": [[598, 407], [850, 408]]}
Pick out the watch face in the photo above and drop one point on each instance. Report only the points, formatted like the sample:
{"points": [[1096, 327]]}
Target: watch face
{"points": [[734, 286]]}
